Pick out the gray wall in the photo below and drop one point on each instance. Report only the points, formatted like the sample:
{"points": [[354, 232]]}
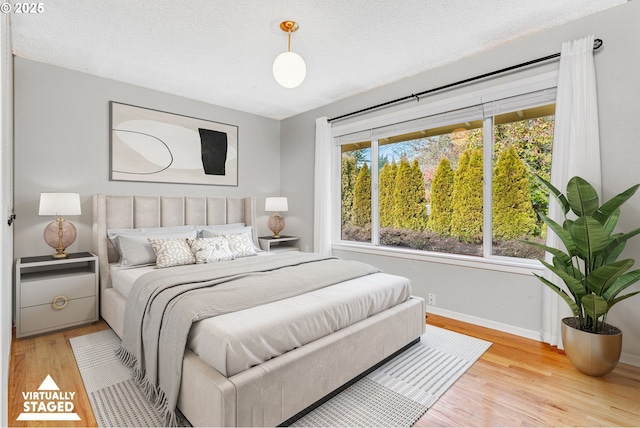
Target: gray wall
{"points": [[497, 297], [62, 145]]}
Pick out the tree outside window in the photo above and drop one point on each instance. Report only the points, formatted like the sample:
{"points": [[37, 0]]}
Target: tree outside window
{"points": [[431, 184]]}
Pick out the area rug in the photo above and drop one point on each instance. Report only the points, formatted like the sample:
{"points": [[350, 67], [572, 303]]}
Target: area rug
{"points": [[395, 394]]}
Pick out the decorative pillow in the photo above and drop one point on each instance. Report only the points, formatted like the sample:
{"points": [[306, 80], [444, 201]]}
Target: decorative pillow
{"points": [[207, 250], [172, 252], [241, 245], [247, 230]]}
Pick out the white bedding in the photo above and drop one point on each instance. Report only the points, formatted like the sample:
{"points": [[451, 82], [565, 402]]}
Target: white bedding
{"points": [[234, 342], [122, 278]]}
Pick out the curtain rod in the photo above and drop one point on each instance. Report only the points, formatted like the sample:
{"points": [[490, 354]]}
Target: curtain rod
{"points": [[597, 43]]}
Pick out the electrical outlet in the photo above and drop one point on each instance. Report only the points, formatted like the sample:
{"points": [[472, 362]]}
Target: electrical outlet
{"points": [[432, 299]]}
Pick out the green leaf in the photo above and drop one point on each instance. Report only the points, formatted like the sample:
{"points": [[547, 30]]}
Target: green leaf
{"points": [[570, 269], [589, 237], [611, 221], [574, 307], [600, 279], [594, 306], [613, 250], [563, 234], [609, 207], [621, 283], [582, 197], [613, 256], [616, 244], [567, 224], [575, 286], [621, 298], [562, 200], [561, 255], [557, 263]]}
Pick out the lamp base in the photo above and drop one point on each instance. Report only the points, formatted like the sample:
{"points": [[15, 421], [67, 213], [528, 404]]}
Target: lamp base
{"points": [[60, 254], [59, 235], [276, 224]]}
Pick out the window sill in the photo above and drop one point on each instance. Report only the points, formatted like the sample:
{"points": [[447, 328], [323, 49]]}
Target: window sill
{"points": [[524, 267]]}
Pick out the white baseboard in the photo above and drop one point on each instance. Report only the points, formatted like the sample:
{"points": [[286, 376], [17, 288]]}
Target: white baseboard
{"points": [[626, 358], [633, 360], [506, 328]]}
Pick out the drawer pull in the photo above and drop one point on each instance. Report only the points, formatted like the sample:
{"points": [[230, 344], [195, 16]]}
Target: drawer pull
{"points": [[58, 306]]}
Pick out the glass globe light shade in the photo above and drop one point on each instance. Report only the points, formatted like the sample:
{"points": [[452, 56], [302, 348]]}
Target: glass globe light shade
{"points": [[289, 69], [276, 223], [60, 239], [69, 234]]}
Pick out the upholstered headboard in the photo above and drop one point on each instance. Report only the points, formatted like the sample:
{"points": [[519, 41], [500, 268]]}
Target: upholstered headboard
{"points": [[123, 212]]}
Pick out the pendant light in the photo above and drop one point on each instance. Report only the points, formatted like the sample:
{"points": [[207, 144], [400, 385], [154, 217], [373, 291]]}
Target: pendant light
{"points": [[289, 68]]}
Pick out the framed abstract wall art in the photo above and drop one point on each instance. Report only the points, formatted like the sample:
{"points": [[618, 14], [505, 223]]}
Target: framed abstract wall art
{"points": [[156, 146]]}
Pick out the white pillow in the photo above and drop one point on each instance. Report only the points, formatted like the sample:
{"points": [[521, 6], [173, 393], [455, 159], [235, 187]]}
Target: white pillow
{"points": [[136, 250], [172, 252], [111, 233], [217, 228], [247, 230], [169, 229], [207, 250]]}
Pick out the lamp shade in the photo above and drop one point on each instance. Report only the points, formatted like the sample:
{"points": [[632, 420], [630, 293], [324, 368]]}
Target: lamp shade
{"points": [[59, 204], [276, 204], [289, 69]]}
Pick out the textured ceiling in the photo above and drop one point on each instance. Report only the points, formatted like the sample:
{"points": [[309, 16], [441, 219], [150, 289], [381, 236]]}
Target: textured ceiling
{"points": [[222, 51]]}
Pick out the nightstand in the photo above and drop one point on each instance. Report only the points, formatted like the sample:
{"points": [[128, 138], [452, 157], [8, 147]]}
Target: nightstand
{"points": [[284, 243], [52, 294]]}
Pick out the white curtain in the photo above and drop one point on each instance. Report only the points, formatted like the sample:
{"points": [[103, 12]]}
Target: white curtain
{"points": [[576, 151], [322, 189]]}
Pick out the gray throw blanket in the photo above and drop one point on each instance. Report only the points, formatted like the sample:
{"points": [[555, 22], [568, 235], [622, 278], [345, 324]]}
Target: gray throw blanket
{"points": [[163, 305]]}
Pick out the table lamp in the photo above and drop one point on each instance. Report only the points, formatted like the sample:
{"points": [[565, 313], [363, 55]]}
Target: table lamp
{"points": [[59, 234], [276, 221]]}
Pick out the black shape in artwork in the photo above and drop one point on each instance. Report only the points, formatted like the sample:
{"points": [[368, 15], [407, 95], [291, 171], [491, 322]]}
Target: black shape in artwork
{"points": [[213, 146]]}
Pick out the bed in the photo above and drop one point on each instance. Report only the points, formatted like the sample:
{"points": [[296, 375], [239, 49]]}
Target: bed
{"points": [[233, 373]]}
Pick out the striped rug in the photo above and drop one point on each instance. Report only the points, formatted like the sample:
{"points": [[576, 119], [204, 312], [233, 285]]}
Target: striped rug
{"points": [[396, 394], [401, 391]]}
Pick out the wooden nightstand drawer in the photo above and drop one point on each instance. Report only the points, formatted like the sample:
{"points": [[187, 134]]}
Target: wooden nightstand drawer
{"points": [[41, 318], [42, 290]]}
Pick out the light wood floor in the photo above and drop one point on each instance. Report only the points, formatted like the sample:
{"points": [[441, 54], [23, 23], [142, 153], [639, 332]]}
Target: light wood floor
{"points": [[522, 382], [517, 382], [33, 358]]}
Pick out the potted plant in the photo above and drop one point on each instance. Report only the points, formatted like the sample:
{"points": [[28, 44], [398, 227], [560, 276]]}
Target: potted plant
{"points": [[590, 270]]}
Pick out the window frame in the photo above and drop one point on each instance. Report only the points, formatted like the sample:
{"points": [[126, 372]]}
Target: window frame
{"points": [[492, 97]]}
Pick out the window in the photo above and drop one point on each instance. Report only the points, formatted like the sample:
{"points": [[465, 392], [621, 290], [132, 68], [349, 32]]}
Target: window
{"points": [[522, 143], [416, 189], [458, 182], [355, 212]]}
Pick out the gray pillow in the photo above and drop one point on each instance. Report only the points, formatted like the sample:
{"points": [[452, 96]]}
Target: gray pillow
{"points": [[217, 227], [113, 233], [136, 250]]}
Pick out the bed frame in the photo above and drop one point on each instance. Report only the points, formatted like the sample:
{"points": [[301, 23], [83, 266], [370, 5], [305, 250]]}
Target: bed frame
{"points": [[277, 390]]}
